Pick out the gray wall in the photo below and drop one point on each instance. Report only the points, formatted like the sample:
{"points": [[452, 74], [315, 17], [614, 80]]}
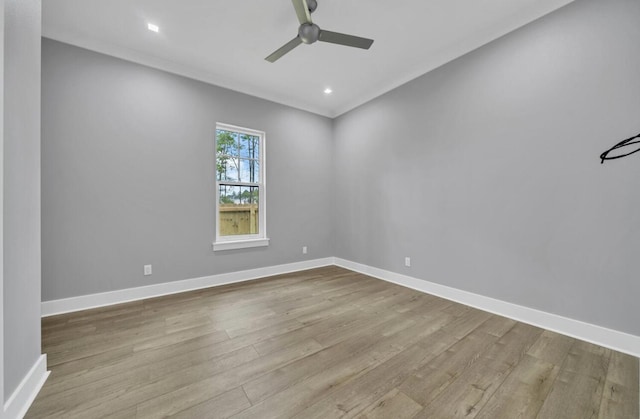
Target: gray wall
{"points": [[486, 171], [2, 206], [21, 238], [128, 175]]}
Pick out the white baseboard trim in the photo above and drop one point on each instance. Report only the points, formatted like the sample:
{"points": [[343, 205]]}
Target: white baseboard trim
{"points": [[599, 335], [20, 401], [84, 302]]}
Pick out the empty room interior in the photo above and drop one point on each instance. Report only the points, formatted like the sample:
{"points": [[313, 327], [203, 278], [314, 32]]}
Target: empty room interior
{"points": [[320, 209]]}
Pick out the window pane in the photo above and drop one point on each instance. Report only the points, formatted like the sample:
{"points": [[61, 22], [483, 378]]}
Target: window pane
{"points": [[249, 171], [227, 155], [238, 210], [226, 143], [226, 168], [249, 146]]}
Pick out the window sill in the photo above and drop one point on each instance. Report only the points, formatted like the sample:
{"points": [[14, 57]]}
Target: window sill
{"points": [[239, 244]]}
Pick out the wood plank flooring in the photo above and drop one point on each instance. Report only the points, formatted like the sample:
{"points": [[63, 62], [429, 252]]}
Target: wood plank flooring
{"points": [[323, 343]]}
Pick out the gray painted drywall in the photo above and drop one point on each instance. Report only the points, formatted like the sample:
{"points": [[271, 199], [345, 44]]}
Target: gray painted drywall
{"points": [[486, 171], [21, 235], [128, 175], [1, 206]]}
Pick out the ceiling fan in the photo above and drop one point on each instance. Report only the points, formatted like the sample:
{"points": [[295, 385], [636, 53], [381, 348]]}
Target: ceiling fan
{"points": [[309, 32]]}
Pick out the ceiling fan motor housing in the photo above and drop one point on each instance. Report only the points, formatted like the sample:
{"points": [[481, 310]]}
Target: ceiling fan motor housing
{"points": [[309, 32]]}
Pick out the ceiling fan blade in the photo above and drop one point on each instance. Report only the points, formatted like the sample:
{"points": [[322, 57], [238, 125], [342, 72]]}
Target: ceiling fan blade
{"points": [[343, 39], [284, 49], [302, 10]]}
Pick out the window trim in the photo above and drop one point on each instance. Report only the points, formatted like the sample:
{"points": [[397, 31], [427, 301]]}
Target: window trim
{"points": [[245, 240]]}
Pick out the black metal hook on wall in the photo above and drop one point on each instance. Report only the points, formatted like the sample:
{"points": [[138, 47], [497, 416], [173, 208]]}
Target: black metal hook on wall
{"points": [[629, 142]]}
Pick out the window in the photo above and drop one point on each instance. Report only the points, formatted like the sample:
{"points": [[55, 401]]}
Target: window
{"points": [[240, 191]]}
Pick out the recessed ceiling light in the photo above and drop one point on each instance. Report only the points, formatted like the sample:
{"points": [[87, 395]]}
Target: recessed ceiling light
{"points": [[328, 91], [153, 28]]}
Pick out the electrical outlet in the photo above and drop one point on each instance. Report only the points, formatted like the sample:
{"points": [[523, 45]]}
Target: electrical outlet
{"points": [[147, 270], [304, 250], [407, 261]]}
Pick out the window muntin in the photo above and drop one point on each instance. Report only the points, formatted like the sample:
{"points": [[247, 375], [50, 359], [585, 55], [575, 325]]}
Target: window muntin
{"points": [[240, 191]]}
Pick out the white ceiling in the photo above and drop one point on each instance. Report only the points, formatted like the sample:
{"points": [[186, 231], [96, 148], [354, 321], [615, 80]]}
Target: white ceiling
{"points": [[224, 42]]}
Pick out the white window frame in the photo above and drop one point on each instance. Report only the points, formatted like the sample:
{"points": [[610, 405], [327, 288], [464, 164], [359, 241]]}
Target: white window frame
{"points": [[245, 240]]}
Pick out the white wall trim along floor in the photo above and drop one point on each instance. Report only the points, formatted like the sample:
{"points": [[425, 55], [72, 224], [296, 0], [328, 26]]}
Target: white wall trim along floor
{"points": [[602, 336], [84, 302], [609, 338], [17, 405]]}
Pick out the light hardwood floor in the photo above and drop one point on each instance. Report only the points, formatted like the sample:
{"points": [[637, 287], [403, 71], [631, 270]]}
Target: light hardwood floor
{"points": [[323, 343]]}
